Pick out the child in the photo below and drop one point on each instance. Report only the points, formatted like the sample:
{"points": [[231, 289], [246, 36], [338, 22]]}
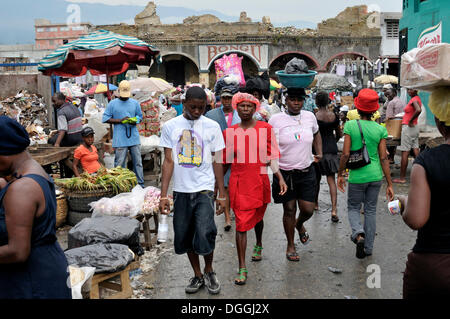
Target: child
{"points": [[86, 153]]}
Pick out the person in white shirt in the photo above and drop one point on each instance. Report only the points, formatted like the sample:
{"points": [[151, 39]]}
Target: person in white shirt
{"points": [[190, 142]]}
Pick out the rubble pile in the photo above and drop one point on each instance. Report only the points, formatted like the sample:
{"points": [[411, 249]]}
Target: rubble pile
{"points": [[293, 31], [26, 108]]}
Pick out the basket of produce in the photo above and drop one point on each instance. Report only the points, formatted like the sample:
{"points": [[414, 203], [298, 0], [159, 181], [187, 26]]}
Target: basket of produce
{"points": [[81, 191], [296, 80], [61, 210]]}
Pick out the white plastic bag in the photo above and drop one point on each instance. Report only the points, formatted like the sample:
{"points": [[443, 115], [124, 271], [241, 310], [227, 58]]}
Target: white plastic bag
{"points": [[80, 280], [109, 160], [100, 129], [125, 204]]}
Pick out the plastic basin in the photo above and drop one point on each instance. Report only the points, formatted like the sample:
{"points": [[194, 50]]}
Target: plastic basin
{"points": [[296, 80]]}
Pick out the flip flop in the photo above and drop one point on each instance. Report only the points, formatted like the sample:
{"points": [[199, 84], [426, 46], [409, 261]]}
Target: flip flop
{"points": [[293, 256], [227, 227], [398, 181], [304, 238], [334, 218], [241, 280], [257, 255]]}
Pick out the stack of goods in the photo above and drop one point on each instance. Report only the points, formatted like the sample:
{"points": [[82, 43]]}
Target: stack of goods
{"points": [[117, 179], [151, 201], [426, 68], [230, 65], [26, 108], [150, 123]]}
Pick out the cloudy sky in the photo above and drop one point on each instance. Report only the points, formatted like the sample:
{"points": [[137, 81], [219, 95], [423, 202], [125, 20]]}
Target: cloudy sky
{"points": [[278, 10]]}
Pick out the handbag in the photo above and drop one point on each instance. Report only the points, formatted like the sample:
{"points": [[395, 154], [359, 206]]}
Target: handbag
{"points": [[359, 158]]}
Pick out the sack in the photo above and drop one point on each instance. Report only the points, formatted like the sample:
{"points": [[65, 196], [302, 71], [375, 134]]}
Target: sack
{"points": [[106, 229], [296, 66], [359, 158], [230, 65], [80, 280]]}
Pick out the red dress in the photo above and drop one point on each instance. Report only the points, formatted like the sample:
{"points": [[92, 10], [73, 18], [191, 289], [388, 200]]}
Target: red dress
{"points": [[249, 151]]}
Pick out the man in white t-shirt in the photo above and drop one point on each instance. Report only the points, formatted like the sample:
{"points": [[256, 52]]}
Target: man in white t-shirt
{"points": [[190, 142]]}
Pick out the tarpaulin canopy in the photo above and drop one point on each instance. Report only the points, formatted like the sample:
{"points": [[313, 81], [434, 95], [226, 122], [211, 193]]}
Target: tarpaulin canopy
{"points": [[150, 84], [100, 52]]}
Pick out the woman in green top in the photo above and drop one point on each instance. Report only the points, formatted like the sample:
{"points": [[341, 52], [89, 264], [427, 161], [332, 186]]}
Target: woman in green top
{"points": [[365, 182]]}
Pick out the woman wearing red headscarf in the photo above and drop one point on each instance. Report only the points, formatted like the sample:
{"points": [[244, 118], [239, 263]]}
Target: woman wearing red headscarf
{"points": [[365, 182], [250, 147]]}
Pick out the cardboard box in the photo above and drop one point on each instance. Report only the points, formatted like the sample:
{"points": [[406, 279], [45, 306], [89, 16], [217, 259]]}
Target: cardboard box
{"points": [[394, 128], [426, 68]]}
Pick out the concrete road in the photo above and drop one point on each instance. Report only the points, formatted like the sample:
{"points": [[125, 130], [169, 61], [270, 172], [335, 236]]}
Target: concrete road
{"points": [[276, 277]]}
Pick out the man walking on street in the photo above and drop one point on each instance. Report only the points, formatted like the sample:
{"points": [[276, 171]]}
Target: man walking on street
{"points": [[190, 142], [394, 106], [126, 136], [226, 117]]}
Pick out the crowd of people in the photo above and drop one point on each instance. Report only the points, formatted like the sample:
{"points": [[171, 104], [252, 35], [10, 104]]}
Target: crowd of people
{"points": [[220, 158]]}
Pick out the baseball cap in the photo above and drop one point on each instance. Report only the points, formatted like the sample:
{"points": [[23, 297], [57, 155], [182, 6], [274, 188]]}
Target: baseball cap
{"points": [[226, 92], [125, 89], [87, 131]]}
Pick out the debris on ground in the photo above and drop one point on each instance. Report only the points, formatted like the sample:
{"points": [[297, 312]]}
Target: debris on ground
{"points": [[335, 270]]}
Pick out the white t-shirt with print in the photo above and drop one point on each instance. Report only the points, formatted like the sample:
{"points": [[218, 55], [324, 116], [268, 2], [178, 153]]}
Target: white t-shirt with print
{"points": [[192, 143]]}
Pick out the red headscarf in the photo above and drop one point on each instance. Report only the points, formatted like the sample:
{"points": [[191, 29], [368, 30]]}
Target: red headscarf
{"points": [[244, 97]]}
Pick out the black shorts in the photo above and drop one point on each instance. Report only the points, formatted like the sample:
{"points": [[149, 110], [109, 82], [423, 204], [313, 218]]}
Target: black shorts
{"points": [[193, 223], [301, 185]]}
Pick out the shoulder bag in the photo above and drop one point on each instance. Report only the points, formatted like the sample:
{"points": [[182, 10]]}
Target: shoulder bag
{"points": [[359, 158]]}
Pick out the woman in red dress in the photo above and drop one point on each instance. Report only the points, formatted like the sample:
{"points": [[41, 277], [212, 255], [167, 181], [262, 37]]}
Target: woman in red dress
{"points": [[250, 147]]}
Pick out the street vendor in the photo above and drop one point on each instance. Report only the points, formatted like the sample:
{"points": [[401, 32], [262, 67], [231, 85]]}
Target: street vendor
{"points": [[32, 263], [86, 154], [69, 122], [126, 135]]}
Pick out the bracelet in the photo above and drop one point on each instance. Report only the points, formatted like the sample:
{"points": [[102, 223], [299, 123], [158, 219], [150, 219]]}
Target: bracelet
{"points": [[164, 198], [221, 198]]}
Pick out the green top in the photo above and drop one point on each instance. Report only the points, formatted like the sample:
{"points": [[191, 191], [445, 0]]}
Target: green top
{"points": [[373, 134]]}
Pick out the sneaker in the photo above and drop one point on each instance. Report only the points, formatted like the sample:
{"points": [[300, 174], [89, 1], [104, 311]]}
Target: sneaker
{"points": [[211, 282], [194, 285]]}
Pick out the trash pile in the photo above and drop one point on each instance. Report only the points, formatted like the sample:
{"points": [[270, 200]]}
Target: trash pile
{"points": [[29, 110]]}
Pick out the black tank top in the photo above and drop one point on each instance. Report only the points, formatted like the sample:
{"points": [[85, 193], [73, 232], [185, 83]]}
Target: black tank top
{"points": [[434, 237]]}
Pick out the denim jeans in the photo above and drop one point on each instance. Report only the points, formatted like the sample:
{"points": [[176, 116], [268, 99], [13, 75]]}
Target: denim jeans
{"points": [[120, 159], [358, 194]]}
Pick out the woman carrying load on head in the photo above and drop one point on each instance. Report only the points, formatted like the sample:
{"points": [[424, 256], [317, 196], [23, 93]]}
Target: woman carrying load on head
{"points": [[250, 147], [297, 132]]}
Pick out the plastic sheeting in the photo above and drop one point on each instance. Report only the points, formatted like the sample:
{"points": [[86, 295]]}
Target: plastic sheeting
{"points": [[327, 81], [230, 65], [104, 257], [296, 66], [106, 229]]}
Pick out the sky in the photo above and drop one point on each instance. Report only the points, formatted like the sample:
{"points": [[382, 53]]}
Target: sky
{"points": [[278, 10], [17, 25]]}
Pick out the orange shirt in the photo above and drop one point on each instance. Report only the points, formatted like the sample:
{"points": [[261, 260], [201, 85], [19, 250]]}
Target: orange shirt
{"points": [[88, 159]]}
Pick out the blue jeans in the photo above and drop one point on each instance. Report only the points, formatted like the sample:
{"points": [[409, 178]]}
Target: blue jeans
{"points": [[366, 193], [120, 159]]}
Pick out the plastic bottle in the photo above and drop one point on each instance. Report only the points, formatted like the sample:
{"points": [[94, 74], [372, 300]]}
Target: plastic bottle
{"points": [[163, 229]]}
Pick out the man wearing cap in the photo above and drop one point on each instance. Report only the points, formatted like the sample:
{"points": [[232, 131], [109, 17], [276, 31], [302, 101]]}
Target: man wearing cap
{"points": [[86, 154], [69, 122], [126, 136], [226, 117]]}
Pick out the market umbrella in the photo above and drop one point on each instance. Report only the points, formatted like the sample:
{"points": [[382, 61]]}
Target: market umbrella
{"points": [[101, 88], [386, 79], [100, 52], [150, 85]]}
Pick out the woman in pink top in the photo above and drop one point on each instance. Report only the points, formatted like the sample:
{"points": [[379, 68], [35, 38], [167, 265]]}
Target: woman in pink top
{"points": [[297, 132], [410, 133]]}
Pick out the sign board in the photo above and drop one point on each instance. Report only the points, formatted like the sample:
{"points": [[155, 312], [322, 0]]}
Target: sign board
{"points": [[431, 35], [258, 53]]}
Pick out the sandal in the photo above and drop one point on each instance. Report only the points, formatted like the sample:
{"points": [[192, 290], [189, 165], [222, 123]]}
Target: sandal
{"points": [[227, 227], [293, 256], [334, 218], [257, 255], [399, 181], [304, 238], [242, 278]]}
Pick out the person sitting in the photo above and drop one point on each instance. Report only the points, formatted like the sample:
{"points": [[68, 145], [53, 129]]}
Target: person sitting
{"points": [[86, 153]]}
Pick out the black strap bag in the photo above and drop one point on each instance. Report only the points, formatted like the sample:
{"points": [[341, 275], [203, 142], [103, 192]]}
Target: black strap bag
{"points": [[359, 158]]}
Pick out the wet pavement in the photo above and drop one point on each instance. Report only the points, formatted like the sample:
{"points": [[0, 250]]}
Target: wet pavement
{"points": [[164, 275], [276, 277]]}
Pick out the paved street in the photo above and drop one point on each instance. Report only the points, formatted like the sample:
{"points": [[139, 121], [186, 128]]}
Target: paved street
{"points": [[276, 277]]}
